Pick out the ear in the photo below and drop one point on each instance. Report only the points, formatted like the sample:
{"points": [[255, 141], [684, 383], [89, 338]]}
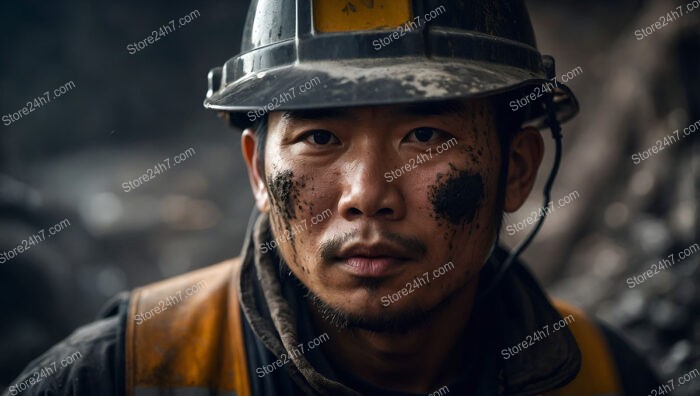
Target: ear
{"points": [[526, 151], [257, 181]]}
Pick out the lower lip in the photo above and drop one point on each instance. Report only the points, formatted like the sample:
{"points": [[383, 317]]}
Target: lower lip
{"points": [[371, 267]]}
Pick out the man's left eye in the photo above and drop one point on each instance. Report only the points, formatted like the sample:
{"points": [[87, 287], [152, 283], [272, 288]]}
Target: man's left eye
{"points": [[423, 135], [319, 137]]}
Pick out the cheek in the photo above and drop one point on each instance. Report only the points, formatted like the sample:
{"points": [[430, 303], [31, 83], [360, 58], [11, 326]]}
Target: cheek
{"points": [[299, 209], [283, 192], [461, 208], [461, 201], [457, 197]]}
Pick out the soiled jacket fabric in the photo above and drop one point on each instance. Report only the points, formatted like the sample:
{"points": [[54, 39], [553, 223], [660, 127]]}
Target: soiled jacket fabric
{"points": [[277, 320]]}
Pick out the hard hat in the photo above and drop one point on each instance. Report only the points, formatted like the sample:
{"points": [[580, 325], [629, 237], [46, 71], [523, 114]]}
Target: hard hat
{"points": [[378, 52]]}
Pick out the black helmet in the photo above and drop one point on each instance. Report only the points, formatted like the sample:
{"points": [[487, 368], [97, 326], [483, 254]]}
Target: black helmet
{"points": [[311, 54]]}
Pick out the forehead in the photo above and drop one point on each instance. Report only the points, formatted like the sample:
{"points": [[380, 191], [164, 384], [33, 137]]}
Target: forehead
{"points": [[465, 109]]}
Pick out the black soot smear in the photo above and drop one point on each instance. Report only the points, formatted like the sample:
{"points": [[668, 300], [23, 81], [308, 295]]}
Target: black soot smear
{"points": [[457, 198], [284, 194], [281, 187]]}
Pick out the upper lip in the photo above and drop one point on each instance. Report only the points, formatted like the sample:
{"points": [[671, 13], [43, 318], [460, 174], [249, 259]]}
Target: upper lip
{"points": [[375, 250]]}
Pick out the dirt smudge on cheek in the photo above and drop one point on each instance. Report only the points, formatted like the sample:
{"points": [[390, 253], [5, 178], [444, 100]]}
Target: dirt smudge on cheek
{"points": [[281, 188], [284, 193], [457, 197]]}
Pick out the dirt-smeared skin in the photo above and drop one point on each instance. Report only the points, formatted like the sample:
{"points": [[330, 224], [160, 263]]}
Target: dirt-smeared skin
{"points": [[284, 192], [280, 187], [457, 196]]}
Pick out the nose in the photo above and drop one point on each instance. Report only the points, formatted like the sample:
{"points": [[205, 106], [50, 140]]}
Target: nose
{"points": [[366, 193]]}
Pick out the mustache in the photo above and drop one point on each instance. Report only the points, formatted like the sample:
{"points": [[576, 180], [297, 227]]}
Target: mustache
{"points": [[330, 249]]}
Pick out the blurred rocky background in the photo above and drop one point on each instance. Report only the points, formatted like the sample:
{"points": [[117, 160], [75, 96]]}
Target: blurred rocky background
{"points": [[128, 112]]}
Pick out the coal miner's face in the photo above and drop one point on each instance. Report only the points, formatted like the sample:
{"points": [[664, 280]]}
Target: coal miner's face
{"points": [[382, 212]]}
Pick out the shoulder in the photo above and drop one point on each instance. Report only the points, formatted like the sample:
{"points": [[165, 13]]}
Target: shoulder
{"points": [[189, 318], [606, 357], [92, 360], [195, 287], [85, 363]]}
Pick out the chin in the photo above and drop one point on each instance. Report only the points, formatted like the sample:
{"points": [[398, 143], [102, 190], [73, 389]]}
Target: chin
{"points": [[372, 316]]}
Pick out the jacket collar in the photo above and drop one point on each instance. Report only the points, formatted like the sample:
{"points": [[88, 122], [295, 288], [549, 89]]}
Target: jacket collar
{"points": [[522, 311], [518, 307]]}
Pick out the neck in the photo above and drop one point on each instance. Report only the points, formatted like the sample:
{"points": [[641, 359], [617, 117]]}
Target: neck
{"points": [[421, 360]]}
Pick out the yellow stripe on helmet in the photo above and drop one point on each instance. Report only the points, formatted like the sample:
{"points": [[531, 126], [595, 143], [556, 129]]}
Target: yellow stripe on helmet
{"points": [[358, 15]]}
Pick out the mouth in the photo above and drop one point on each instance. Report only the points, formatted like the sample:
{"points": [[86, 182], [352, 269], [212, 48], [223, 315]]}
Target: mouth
{"points": [[373, 261]]}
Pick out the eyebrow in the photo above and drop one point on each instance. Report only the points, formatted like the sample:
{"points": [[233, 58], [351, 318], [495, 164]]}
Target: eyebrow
{"points": [[423, 109]]}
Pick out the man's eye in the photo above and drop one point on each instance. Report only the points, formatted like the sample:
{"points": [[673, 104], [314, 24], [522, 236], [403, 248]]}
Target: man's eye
{"points": [[319, 137], [423, 135]]}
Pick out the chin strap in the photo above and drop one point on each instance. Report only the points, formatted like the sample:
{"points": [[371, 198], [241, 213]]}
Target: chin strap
{"points": [[555, 128]]}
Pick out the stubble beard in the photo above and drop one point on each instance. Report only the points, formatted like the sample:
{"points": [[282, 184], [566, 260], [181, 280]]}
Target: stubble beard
{"points": [[394, 321]]}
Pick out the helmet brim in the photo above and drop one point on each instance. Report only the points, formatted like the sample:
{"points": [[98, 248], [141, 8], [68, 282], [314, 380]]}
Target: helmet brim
{"points": [[373, 82]]}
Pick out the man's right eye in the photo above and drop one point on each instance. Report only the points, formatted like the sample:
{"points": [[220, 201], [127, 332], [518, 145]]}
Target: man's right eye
{"points": [[320, 137]]}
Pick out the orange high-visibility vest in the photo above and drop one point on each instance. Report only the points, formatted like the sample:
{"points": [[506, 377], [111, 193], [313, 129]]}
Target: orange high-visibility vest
{"points": [[192, 344]]}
